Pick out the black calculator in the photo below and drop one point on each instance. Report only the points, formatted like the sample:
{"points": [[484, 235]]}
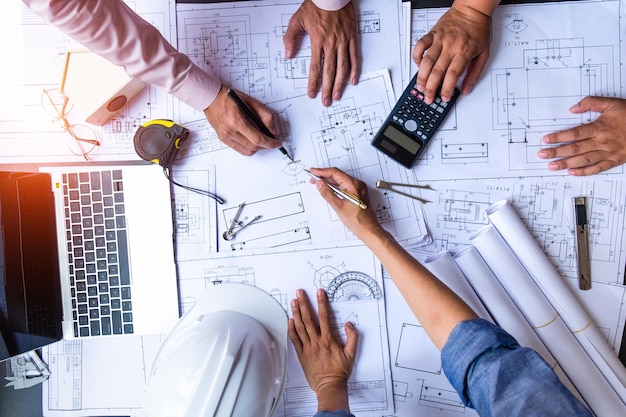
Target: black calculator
{"points": [[411, 124]]}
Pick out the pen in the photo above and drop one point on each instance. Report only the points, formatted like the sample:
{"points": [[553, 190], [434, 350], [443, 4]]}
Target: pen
{"points": [[582, 244], [339, 192], [254, 118]]}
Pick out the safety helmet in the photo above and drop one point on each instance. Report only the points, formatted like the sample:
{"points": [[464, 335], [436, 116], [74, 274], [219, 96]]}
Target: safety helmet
{"points": [[226, 357]]}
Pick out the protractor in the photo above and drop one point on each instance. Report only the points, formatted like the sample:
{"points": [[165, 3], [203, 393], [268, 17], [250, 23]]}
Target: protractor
{"points": [[353, 286]]}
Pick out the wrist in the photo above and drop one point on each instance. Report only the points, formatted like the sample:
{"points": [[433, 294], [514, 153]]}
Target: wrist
{"points": [[333, 396], [485, 7]]}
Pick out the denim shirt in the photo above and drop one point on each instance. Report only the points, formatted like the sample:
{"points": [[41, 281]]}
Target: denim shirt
{"points": [[496, 376], [493, 374]]}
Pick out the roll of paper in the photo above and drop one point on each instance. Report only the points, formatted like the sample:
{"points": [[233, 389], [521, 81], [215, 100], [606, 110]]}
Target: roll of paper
{"points": [[508, 223], [503, 309], [598, 393], [442, 266]]}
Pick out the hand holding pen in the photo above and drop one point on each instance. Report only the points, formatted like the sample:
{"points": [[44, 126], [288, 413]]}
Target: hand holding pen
{"points": [[234, 127], [356, 218], [253, 118]]}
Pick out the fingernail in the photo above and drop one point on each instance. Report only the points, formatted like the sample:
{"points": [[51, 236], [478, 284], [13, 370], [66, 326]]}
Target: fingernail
{"points": [[354, 81], [320, 292], [469, 89], [287, 53], [336, 95], [445, 98], [350, 325], [542, 154], [299, 293], [545, 139], [312, 94], [294, 304], [553, 166], [327, 102], [420, 88]]}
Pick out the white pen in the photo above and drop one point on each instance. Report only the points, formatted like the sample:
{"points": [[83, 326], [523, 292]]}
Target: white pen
{"points": [[339, 192]]}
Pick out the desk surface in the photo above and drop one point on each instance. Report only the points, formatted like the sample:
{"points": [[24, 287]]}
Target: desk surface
{"points": [[14, 402]]}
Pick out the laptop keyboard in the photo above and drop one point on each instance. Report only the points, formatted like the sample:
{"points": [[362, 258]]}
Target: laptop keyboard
{"points": [[98, 253]]}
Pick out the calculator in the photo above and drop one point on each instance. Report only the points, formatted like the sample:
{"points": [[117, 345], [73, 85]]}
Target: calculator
{"points": [[411, 124]]}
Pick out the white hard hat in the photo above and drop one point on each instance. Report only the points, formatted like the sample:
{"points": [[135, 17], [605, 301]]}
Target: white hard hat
{"points": [[226, 357]]}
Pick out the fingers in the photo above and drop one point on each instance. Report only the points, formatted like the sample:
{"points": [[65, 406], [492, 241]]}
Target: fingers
{"points": [[323, 312], [593, 103], [574, 134], [474, 69], [305, 324], [290, 38]]}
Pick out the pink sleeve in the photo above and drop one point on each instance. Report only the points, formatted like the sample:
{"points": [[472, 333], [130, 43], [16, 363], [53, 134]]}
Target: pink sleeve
{"points": [[331, 4], [112, 30]]}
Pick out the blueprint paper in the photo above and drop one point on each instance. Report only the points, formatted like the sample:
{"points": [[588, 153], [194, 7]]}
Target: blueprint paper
{"points": [[352, 278], [36, 50], [242, 44], [291, 209], [194, 214], [98, 377], [519, 239], [579, 364], [544, 58]]}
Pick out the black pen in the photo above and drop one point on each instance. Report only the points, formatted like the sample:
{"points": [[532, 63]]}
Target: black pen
{"points": [[254, 118]]}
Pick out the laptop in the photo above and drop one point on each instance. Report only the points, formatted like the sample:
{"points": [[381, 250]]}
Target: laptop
{"points": [[87, 252]]}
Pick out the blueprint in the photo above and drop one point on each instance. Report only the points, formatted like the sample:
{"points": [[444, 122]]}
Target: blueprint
{"points": [[352, 278], [242, 44], [290, 208], [539, 66], [28, 133]]}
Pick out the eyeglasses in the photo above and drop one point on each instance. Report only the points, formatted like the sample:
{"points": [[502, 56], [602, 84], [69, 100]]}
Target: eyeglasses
{"points": [[82, 138]]}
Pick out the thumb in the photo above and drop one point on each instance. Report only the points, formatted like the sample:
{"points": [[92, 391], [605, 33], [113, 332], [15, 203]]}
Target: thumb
{"points": [[352, 340]]}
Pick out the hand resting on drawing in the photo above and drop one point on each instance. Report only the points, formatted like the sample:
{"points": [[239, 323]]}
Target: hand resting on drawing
{"points": [[593, 147]]}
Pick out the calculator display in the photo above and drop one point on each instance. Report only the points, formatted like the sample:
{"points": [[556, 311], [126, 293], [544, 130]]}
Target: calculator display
{"points": [[401, 139]]}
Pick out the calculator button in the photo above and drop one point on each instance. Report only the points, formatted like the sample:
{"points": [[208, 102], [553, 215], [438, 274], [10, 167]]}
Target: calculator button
{"points": [[410, 125]]}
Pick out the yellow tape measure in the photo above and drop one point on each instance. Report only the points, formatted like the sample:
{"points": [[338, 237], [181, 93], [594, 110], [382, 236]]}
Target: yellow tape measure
{"points": [[158, 141]]}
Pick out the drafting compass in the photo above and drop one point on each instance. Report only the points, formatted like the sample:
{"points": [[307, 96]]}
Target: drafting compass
{"points": [[385, 185], [237, 225]]}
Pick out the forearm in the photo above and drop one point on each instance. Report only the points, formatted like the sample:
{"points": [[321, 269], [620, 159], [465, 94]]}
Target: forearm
{"points": [[484, 6], [112, 30], [437, 308]]}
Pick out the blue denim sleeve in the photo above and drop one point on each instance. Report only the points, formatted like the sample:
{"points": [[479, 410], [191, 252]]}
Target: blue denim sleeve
{"points": [[496, 376], [337, 413]]}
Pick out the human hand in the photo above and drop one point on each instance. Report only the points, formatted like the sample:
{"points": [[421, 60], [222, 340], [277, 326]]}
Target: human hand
{"points": [[459, 40], [326, 364], [594, 147], [333, 41], [235, 129], [359, 221]]}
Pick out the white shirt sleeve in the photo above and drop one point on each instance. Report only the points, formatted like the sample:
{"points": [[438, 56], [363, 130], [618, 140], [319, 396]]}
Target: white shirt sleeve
{"points": [[331, 4], [112, 30]]}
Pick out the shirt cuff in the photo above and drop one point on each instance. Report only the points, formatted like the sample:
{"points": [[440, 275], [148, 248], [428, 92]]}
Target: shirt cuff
{"points": [[331, 5], [467, 341], [336, 413]]}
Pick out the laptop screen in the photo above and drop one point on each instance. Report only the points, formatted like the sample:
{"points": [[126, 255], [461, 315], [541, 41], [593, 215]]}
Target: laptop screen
{"points": [[30, 297]]}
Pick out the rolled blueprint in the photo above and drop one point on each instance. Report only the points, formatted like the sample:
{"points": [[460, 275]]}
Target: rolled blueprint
{"points": [[442, 266], [601, 397], [503, 309], [503, 216]]}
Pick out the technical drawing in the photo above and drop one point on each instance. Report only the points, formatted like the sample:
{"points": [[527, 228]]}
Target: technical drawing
{"points": [[525, 97], [280, 272]]}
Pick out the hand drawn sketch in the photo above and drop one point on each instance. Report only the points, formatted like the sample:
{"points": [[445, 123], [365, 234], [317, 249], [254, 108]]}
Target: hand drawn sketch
{"points": [[352, 277]]}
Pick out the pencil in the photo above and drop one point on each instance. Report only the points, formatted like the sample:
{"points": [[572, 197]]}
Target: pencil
{"points": [[339, 192]]}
